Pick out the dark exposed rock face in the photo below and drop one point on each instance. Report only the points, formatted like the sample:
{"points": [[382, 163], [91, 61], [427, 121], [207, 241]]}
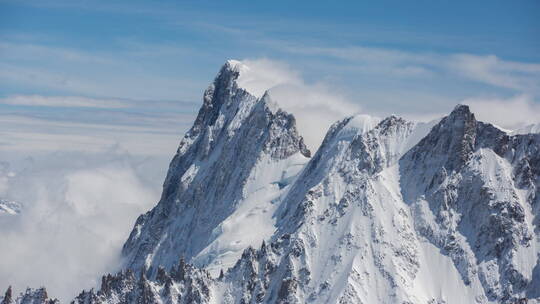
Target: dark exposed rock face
{"points": [[8, 297], [181, 284], [471, 176], [30, 296]]}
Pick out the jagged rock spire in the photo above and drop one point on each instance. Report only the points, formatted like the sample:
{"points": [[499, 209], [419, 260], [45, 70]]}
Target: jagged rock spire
{"points": [[234, 137], [8, 297]]}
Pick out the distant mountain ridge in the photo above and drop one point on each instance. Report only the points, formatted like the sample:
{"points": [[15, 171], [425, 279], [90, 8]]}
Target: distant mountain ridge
{"points": [[9, 207], [385, 211]]}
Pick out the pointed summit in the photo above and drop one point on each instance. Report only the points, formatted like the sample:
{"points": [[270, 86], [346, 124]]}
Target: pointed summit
{"points": [[450, 143], [462, 117], [223, 91], [8, 297], [240, 148], [461, 109]]}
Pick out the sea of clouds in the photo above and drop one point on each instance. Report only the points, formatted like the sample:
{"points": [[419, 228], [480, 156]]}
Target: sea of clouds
{"points": [[77, 210]]}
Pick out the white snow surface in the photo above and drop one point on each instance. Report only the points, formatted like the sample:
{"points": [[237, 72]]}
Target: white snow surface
{"points": [[9, 207], [253, 220], [532, 128]]}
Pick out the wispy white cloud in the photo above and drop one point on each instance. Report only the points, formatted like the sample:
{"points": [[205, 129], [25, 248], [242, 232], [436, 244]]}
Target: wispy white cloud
{"points": [[78, 208], [314, 105], [317, 105], [144, 127], [259, 75], [487, 69], [62, 101], [497, 72], [28, 135], [509, 113], [122, 73], [26, 51]]}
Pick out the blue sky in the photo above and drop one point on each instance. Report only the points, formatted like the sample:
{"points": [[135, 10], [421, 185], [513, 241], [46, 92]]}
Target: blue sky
{"points": [[155, 58]]}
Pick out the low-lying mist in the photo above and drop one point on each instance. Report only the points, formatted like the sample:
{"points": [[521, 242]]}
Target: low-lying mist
{"points": [[78, 209]]}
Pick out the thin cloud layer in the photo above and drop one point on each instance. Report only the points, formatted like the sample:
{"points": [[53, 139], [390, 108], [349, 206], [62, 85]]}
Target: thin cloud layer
{"points": [[259, 75], [314, 105], [487, 69], [510, 113], [492, 70], [315, 108], [63, 101]]}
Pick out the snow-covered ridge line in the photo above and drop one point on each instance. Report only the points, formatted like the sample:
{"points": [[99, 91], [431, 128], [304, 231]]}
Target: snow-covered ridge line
{"points": [[9, 207]]}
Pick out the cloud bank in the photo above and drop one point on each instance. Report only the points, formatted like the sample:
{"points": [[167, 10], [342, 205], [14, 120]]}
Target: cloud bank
{"points": [[77, 212], [509, 113], [317, 105], [62, 101], [314, 105]]}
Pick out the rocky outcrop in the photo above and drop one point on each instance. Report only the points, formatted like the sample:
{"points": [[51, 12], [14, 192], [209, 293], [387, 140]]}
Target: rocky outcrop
{"points": [[480, 186], [183, 283], [8, 296], [30, 296]]}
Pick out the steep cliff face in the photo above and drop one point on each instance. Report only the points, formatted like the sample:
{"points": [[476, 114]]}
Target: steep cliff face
{"points": [[182, 284], [473, 190], [221, 186], [30, 296], [345, 235], [377, 218]]}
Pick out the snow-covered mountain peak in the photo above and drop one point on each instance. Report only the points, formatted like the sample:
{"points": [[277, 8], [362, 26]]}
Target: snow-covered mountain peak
{"points": [[461, 109], [358, 124], [230, 169], [452, 138], [472, 191]]}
